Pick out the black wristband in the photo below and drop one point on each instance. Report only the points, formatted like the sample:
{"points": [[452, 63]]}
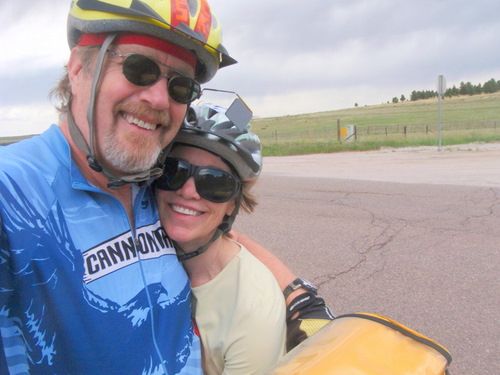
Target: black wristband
{"points": [[298, 283]]}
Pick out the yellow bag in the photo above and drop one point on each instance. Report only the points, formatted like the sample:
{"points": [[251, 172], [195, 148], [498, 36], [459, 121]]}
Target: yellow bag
{"points": [[365, 344]]}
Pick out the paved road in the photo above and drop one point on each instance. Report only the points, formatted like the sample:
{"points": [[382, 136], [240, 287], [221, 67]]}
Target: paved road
{"points": [[410, 234]]}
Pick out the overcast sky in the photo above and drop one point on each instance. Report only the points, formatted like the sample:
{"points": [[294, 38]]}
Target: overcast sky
{"points": [[294, 56]]}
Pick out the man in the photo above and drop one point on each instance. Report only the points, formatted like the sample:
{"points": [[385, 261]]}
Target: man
{"points": [[90, 283]]}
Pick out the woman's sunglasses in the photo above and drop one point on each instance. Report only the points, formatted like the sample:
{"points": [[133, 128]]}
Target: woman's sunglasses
{"points": [[212, 184], [142, 70]]}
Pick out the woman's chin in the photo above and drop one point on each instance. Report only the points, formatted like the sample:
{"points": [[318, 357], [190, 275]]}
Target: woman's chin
{"points": [[189, 244]]}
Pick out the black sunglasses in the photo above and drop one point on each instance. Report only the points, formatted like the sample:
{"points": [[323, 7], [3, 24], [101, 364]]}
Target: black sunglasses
{"points": [[212, 184], [142, 70]]}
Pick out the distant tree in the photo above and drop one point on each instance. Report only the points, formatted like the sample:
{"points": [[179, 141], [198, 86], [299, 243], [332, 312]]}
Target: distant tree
{"points": [[466, 88], [395, 100], [355, 104], [469, 88], [491, 86], [462, 88]]}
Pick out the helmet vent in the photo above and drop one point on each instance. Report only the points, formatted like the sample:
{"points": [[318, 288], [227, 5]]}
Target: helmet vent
{"points": [[193, 7]]}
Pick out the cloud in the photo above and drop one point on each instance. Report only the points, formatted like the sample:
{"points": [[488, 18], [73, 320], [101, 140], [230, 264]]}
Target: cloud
{"points": [[290, 49], [294, 56], [33, 37]]}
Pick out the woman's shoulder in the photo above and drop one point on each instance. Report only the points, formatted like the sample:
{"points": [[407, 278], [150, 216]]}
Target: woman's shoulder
{"points": [[255, 276], [248, 260]]}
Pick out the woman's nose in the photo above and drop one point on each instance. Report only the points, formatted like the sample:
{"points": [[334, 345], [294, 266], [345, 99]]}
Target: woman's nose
{"points": [[188, 190]]}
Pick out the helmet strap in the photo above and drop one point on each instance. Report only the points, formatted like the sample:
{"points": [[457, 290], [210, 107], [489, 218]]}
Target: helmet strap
{"points": [[143, 178], [223, 227]]}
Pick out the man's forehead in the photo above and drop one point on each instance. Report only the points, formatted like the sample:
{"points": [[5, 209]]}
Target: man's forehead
{"points": [[161, 57], [143, 40]]}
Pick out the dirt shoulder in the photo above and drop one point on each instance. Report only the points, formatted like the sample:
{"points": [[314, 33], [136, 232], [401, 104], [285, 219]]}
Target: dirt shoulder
{"points": [[476, 164]]}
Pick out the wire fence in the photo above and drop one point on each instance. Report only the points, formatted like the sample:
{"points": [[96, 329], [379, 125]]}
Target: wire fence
{"points": [[353, 132]]}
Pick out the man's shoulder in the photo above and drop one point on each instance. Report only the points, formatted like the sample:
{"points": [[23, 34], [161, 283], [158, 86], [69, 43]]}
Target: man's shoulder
{"points": [[29, 168], [38, 155]]}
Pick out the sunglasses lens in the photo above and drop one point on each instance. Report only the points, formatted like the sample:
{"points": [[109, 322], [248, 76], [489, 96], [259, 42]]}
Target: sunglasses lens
{"points": [[212, 184], [183, 89], [175, 175], [141, 70], [215, 185]]}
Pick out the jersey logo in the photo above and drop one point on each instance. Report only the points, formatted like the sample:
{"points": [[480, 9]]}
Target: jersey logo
{"points": [[151, 242]]}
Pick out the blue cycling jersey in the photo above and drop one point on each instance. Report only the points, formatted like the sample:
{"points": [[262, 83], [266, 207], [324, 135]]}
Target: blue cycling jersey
{"points": [[81, 292]]}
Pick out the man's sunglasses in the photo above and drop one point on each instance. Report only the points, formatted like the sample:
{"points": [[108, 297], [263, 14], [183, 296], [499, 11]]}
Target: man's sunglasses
{"points": [[142, 70], [212, 184]]}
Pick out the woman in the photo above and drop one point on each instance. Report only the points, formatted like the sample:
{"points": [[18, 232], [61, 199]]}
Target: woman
{"points": [[237, 304]]}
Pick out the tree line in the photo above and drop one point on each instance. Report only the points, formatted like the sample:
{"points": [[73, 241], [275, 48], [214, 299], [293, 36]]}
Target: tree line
{"points": [[468, 88]]}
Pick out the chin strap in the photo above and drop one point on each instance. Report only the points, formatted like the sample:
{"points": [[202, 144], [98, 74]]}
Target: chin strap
{"points": [[143, 178], [224, 227]]}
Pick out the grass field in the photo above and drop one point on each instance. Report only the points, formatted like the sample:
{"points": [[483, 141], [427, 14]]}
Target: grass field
{"points": [[464, 119]]}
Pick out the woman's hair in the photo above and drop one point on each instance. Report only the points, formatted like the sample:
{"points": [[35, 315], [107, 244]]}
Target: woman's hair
{"points": [[248, 200], [62, 91]]}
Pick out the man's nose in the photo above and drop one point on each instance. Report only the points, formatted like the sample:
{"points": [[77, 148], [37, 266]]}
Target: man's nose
{"points": [[157, 95]]}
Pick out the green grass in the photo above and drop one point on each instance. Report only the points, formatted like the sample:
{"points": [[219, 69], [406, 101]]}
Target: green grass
{"points": [[469, 118], [304, 148], [317, 132]]}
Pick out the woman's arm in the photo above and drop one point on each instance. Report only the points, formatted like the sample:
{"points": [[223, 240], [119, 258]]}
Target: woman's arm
{"points": [[306, 312]]}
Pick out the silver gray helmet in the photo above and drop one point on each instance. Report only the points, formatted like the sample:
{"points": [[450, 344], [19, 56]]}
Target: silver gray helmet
{"points": [[226, 133]]}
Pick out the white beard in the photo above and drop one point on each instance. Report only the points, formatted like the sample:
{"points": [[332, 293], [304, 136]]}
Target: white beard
{"points": [[127, 161], [135, 154]]}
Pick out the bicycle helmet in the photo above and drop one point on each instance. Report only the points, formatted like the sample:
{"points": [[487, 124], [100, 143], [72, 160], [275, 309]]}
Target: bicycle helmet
{"points": [[190, 24], [208, 126]]}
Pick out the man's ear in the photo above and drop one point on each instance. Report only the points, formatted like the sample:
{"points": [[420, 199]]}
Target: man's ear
{"points": [[75, 69]]}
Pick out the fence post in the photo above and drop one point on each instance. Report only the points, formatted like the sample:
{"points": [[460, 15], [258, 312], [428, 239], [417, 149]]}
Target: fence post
{"points": [[404, 130], [355, 132], [338, 130]]}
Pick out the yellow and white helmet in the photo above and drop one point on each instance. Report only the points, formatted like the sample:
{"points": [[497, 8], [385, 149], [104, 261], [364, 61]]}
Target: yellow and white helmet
{"points": [[190, 24]]}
